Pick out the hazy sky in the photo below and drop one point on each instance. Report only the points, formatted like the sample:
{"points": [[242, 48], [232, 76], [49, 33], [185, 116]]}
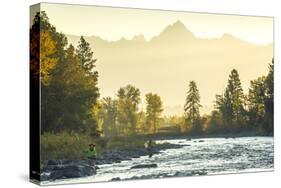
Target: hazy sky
{"points": [[114, 23]]}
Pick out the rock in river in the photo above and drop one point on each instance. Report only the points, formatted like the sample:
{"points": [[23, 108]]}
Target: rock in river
{"points": [[144, 166], [63, 169]]}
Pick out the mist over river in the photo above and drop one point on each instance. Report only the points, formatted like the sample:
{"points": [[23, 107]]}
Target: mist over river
{"points": [[198, 157]]}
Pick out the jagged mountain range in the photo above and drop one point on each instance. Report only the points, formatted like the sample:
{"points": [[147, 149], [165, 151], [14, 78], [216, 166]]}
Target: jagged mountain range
{"points": [[167, 62]]}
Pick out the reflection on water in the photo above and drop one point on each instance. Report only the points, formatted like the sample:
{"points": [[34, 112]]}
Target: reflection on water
{"points": [[197, 157]]}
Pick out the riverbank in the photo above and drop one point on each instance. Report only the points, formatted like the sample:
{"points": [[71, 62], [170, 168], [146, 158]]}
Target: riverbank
{"points": [[170, 136], [183, 157], [72, 145], [65, 168]]}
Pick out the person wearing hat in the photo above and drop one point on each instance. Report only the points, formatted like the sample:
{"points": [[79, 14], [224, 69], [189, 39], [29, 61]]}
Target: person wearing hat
{"points": [[91, 153]]}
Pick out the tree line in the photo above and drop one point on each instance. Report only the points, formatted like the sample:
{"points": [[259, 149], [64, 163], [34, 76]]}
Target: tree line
{"points": [[69, 88], [70, 97], [235, 112], [122, 116]]}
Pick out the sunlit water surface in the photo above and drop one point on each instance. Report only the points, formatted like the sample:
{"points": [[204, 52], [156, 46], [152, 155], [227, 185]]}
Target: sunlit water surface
{"points": [[209, 156]]}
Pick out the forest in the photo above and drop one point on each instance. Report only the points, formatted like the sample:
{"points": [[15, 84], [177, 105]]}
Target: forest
{"points": [[74, 114]]}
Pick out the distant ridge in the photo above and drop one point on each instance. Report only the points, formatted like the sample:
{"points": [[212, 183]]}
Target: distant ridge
{"points": [[166, 63], [174, 33]]}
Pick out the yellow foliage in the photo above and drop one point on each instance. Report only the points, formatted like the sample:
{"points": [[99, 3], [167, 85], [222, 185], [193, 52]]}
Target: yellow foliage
{"points": [[47, 61], [42, 49]]}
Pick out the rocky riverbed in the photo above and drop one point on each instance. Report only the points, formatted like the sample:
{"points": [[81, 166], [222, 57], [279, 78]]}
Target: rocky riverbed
{"points": [[118, 155], [64, 169], [178, 158]]}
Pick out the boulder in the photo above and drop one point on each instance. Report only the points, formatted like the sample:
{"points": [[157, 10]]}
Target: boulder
{"points": [[63, 169], [116, 179], [72, 171], [53, 162]]}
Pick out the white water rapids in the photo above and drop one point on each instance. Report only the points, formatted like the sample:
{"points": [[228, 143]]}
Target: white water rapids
{"points": [[198, 157]]}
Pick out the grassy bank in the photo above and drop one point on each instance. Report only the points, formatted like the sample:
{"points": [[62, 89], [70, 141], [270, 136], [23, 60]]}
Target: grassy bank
{"points": [[72, 145]]}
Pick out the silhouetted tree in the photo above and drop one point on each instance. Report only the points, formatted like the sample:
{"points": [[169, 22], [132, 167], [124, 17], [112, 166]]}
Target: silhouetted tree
{"points": [[128, 100], [256, 103], [85, 55], [236, 94], [191, 107], [154, 109], [269, 101]]}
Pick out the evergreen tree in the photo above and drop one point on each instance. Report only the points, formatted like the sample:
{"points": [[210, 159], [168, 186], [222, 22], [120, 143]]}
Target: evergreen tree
{"points": [[192, 105], [269, 100], [235, 91], [231, 104], [85, 55], [224, 105], [256, 102]]}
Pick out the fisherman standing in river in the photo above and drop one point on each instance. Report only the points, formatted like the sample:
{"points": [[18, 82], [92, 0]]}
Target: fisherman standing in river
{"points": [[91, 154], [148, 146]]}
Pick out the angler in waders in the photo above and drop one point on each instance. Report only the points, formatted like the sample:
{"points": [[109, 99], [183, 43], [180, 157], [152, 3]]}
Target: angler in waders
{"points": [[148, 146], [91, 154]]}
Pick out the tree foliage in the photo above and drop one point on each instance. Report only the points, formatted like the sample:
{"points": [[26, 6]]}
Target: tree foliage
{"points": [[256, 102], [67, 91], [237, 112], [231, 103], [109, 106], [128, 100], [269, 100], [192, 105], [42, 48], [154, 108]]}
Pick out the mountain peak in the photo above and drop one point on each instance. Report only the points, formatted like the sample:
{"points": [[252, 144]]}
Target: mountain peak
{"points": [[179, 24], [176, 26], [177, 30]]}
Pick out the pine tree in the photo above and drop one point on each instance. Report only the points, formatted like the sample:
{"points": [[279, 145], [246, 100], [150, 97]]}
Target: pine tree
{"points": [[192, 105], [269, 101], [224, 105], [256, 102], [231, 103], [85, 55], [236, 93]]}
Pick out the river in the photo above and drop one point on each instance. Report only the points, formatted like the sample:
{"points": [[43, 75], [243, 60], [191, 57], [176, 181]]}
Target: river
{"points": [[198, 157]]}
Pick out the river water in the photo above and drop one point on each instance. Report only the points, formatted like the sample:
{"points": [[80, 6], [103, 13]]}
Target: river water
{"points": [[198, 157]]}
